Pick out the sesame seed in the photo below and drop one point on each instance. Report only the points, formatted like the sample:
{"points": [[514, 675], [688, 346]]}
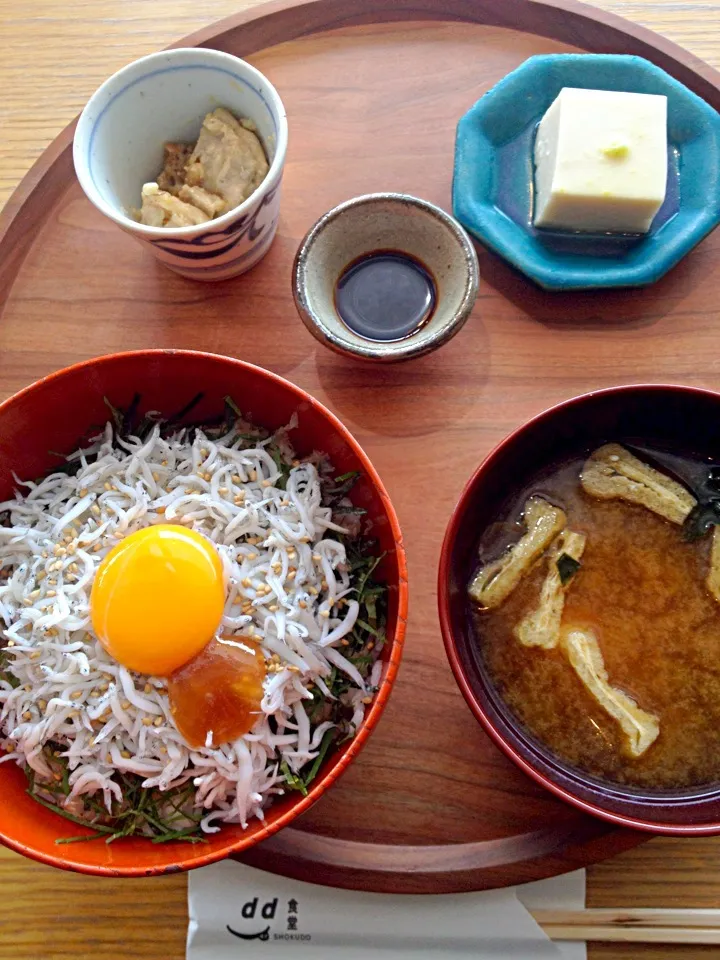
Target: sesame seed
{"points": [[83, 492], [344, 643], [107, 486], [291, 574], [371, 644], [97, 548], [156, 477], [160, 510], [277, 567], [252, 556], [236, 479], [273, 608], [367, 700], [76, 694], [313, 591], [222, 491], [147, 721], [95, 509], [246, 582], [285, 502], [11, 643], [59, 551], [292, 668], [73, 714], [125, 754], [158, 721], [51, 593], [316, 557], [302, 604], [27, 715], [253, 475], [125, 704], [325, 614], [35, 656], [323, 584], [42, 704], [148, 688], [163, 463], [267, 483], [102, 687], [108, 757]]}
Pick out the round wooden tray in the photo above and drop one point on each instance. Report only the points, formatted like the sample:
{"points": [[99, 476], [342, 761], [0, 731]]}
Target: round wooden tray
{"points": [[431, 805]]}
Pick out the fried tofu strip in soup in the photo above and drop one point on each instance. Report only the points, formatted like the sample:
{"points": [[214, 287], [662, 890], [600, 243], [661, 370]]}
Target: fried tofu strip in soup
{"points": [[541, 628], [612, 472], [713, 578], [496, 580], [640, 727]]}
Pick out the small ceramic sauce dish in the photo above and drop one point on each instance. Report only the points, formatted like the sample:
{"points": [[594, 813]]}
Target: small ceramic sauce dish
{"points": [[385, 277], [164, 98]]}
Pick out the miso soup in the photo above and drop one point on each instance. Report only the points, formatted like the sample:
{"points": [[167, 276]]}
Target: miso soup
{"points": [[640, 589]]}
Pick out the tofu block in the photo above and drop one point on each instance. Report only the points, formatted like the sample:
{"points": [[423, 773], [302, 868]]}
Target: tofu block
{"points": [[601, 161]]}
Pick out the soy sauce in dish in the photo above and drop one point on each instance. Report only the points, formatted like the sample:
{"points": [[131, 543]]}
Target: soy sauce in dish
{"points": [[385, 295]]}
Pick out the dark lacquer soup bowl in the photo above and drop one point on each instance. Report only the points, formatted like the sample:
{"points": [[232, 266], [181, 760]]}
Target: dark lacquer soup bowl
{"points": [[681, 421]]}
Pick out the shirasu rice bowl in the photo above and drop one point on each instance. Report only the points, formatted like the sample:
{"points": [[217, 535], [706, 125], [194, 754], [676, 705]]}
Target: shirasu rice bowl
{"points": [[98, 741]]}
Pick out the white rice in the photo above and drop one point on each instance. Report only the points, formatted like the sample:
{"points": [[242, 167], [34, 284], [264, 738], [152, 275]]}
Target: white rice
{"points": [[105, 718]]}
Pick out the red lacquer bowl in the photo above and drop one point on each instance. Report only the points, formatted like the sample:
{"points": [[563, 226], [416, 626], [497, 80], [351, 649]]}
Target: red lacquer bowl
{"points": [[678, 418], [54, 414]]}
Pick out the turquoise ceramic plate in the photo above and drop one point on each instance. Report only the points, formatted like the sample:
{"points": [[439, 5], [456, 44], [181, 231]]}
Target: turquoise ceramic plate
{"points": [[493, 178]]}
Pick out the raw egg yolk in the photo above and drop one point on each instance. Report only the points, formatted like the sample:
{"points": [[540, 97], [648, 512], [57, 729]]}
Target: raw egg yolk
{"points": [[219, 692], [158, 598]]}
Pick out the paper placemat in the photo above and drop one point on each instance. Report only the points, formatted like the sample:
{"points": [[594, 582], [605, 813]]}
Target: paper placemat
{"points": [[237, 911]]}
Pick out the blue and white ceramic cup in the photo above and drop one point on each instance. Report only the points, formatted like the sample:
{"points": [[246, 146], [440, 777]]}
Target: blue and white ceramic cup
{"points": [[164, 97]]}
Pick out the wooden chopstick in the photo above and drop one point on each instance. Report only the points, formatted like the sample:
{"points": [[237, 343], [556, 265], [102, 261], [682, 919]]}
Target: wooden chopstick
{"points": [[632, 926]]}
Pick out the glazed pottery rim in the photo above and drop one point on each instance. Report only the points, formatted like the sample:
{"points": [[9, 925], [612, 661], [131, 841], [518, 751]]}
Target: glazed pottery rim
{"points": [[82, 169], [346, 753], [386, 351], [445, 566]]}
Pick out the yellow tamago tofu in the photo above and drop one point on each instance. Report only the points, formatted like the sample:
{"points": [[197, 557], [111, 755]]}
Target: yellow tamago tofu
{"points": [[601, 161]]}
